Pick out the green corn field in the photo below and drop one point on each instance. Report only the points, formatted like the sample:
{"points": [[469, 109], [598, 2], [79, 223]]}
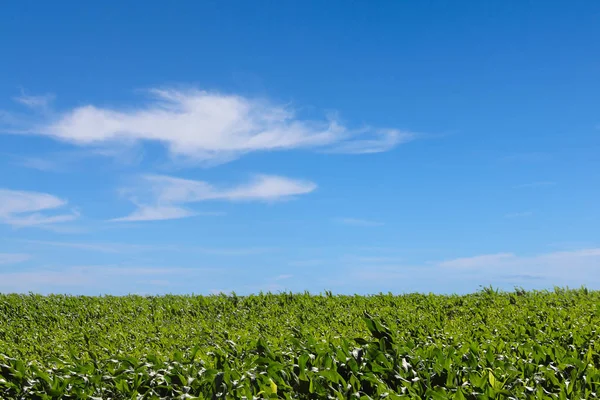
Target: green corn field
{"points": [[486, 345]]}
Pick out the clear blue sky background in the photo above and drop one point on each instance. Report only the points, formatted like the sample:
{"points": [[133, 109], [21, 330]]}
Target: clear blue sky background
{"points": [[465, 147]]}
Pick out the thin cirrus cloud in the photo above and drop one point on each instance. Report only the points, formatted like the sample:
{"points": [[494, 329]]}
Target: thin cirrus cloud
{"points": [[166, 197], [122, 248], [26, 209], [207, 126], [97, 279], [38, 163], [559, 265], [13, 258], [102, 247], [35, 102], [156, 213], [477, 261], [574, 267]]}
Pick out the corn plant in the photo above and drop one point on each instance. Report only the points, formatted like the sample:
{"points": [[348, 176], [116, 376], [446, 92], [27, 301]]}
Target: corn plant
{"points": [[486, 345]]}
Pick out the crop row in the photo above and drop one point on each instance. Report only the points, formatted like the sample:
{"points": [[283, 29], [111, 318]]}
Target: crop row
{"points": [[484, 345]]}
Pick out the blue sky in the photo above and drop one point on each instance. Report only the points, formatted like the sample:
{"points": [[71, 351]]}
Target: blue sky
{"points": [[356, 147]]}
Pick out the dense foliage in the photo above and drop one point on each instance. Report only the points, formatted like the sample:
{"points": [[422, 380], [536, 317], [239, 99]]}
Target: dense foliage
{"points": [[484, 345]]}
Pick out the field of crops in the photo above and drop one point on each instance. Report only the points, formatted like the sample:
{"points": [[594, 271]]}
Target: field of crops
{"points": [[481, 346]]}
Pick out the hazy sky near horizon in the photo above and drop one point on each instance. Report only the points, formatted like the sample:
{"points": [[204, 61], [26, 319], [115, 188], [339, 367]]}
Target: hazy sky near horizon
{"points": [[357, 147]]}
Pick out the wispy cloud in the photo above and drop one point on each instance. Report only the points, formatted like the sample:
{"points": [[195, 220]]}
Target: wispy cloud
{"points": [[521, 214], [13, 258], [535, 184], [96, 278], [259, 188], [25, 209], [41, 164], [358, 222], [36, 102], [76, 159], [283, 277], [383, 140], [165, 195], [99, 247], [156, 213], [561, 263], [121, 248], [208, 126], [477, 261], [565, 268]]}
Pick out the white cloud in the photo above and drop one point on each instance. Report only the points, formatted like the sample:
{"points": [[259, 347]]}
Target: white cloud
{"points": [[358, 222], [382, 140], [37, 219], [39, 164], [36, 102], [95, 279], [119, 248], [210, 126], [477, 261], [561, 265], [76, 159], [14, 202], [261, 188], [101, 247], [565, 268], [23, 208], [13, 258], [166, 194], [156, 213]]}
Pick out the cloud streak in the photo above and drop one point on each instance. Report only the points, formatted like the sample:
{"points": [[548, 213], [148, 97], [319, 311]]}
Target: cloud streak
{"points": [[35, 102], [208, 126], [13, 258], [582, 263], [116, 248], [40, 164], [26, 209], [122, 248], [99, 279], [572, 268], [156, 213], [477, 261], [165, 196]]}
